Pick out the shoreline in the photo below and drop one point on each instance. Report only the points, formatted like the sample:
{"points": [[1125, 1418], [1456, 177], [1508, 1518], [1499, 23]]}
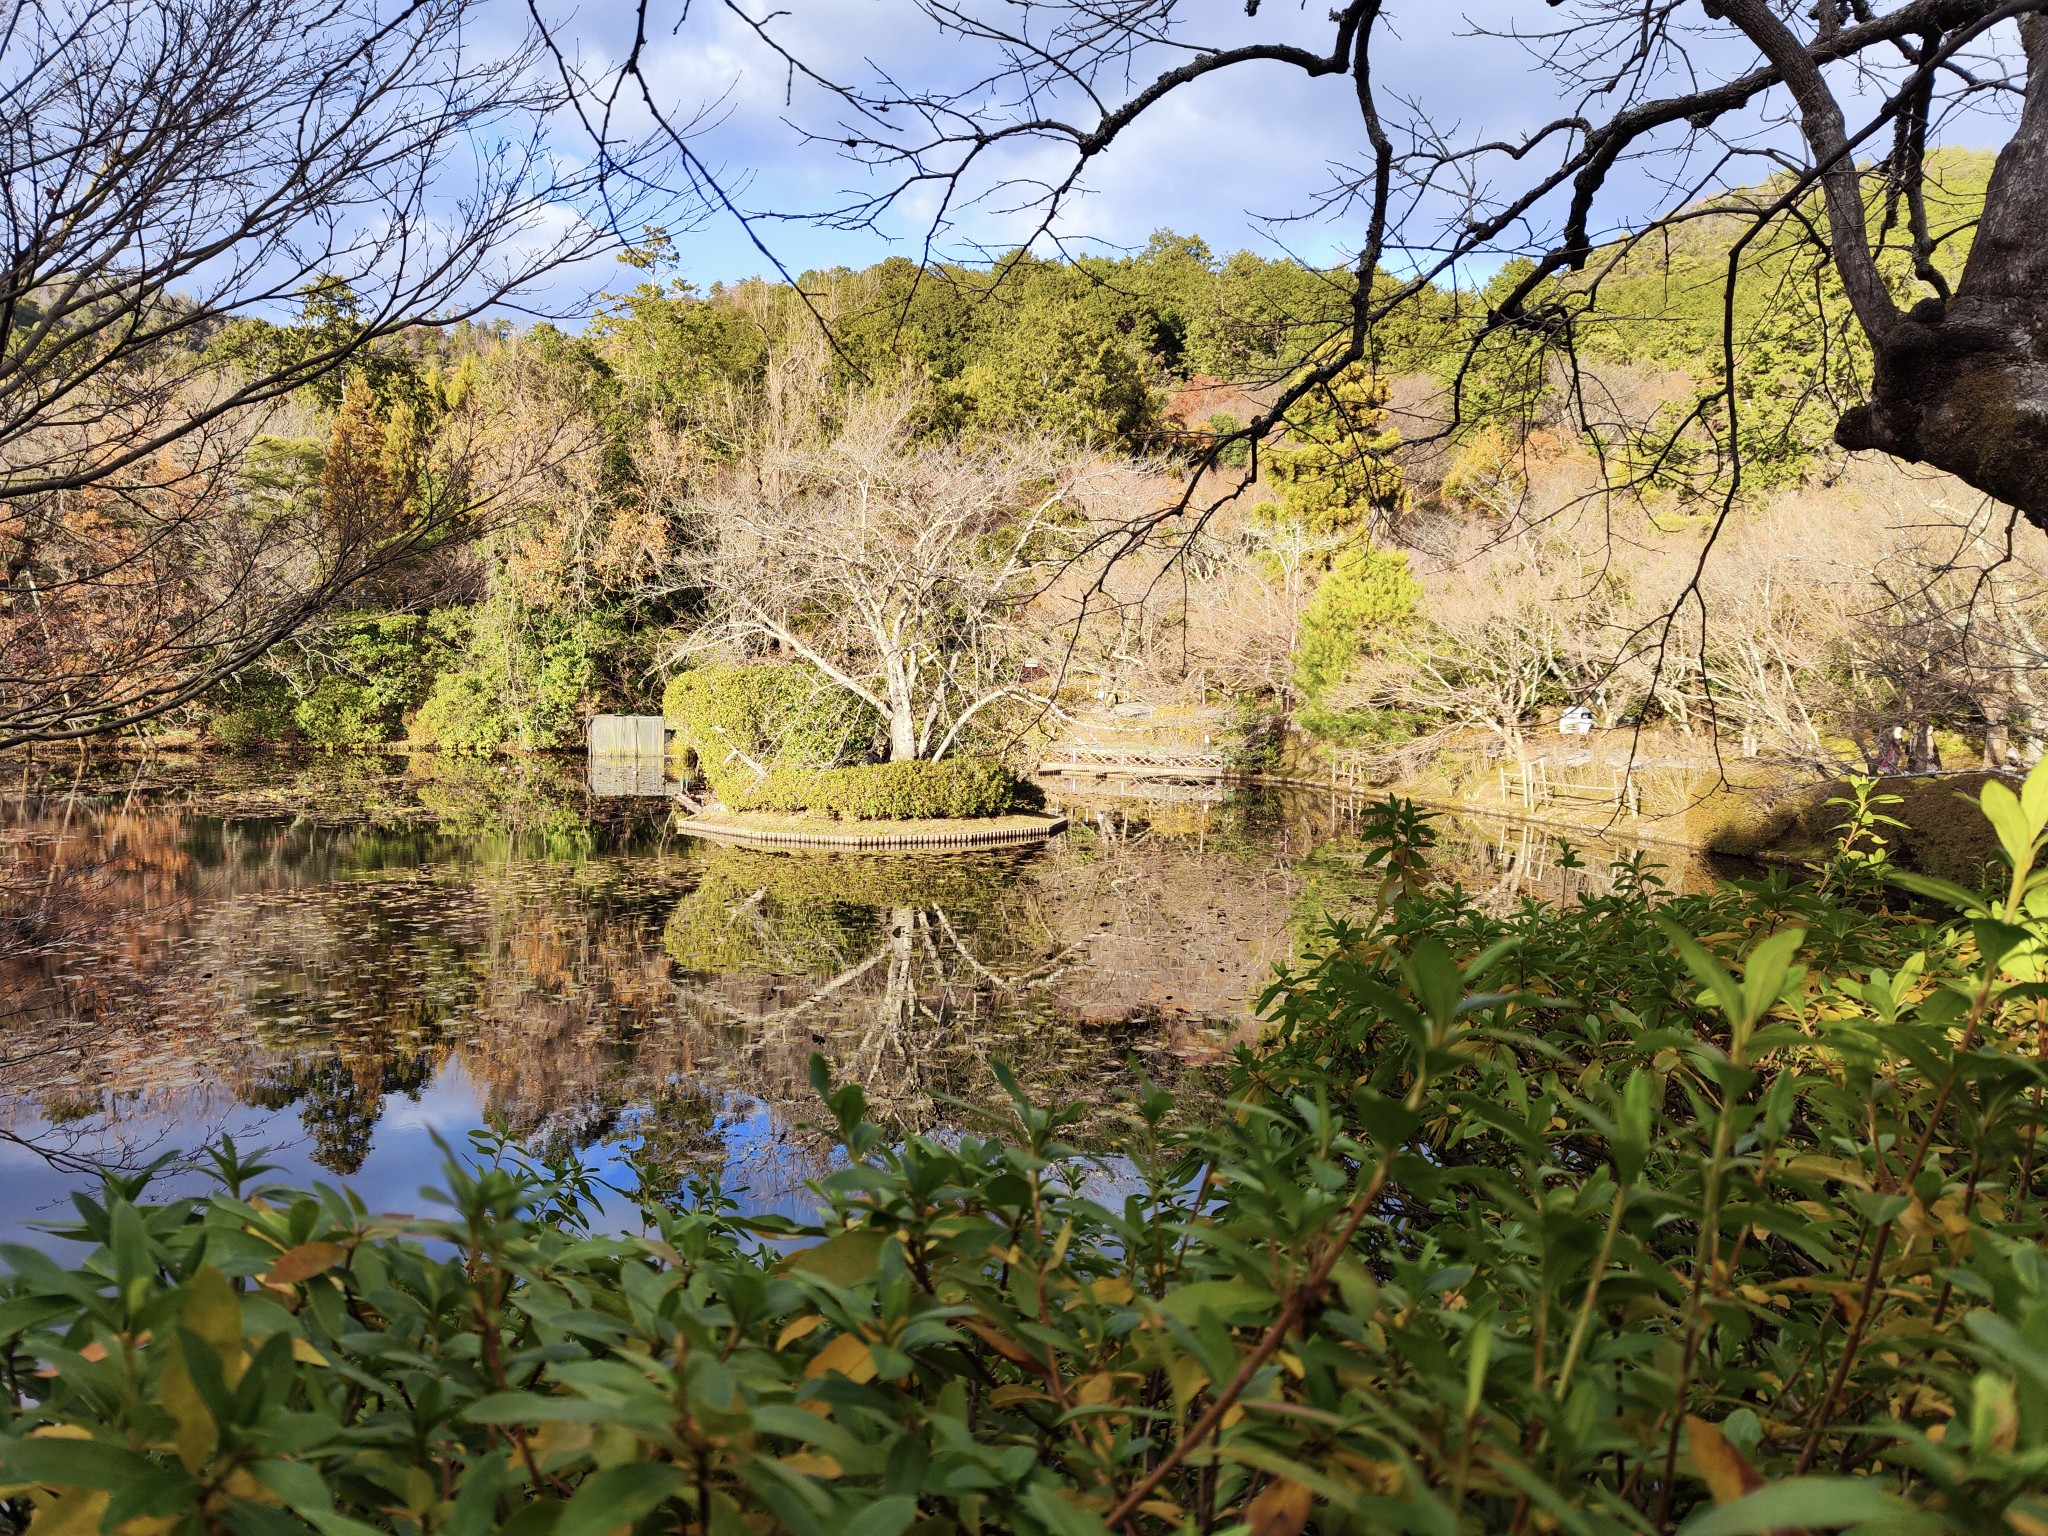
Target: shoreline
{"points": [[763, 829]]}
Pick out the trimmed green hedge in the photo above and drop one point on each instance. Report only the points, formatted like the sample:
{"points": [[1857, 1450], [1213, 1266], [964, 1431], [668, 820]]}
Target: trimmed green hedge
{"points": [[774, 713], [958, 788]]}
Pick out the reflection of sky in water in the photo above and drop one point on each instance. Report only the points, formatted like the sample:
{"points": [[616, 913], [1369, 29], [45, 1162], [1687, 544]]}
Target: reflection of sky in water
{"points": [[488, 943], [405, 1160]]}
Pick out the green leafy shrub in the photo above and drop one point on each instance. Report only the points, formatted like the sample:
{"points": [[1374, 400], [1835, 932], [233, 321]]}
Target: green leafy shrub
{"points": [[341, 715], [1367, 593], [956, 788], [526, 679], [346, 687], [462, 713], [376, 668], [1718, 1213], [1364, 726], [252, 713], [729, 718]]}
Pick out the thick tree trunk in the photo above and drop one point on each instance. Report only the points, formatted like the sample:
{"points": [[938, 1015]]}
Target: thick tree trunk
{"points": [[902, 734], [1996, 739], [1964, 387]]}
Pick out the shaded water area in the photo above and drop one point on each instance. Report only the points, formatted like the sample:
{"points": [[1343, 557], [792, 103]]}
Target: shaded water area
{"points": [[344, 960]]}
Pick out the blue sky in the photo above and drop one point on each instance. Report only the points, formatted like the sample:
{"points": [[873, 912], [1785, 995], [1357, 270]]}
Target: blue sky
{"points": [[1228, 159]]}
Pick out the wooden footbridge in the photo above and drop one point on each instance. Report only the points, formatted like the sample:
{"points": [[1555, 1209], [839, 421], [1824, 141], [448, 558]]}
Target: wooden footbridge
{"points": [[1110, 763], [1136, 760]]}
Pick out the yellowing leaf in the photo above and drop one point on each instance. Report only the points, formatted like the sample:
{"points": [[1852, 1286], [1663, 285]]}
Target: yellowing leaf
{"points": [[1725, 1470], [812, 1464], [1280, 1509], [242, 1484], [306, 1354], [303, 1263], [1187, 1376], [1096, 1389], [76, 1513], [196, 1431], [214, 1312], [1112, 1290], [847, 1259], [1016, 1392], [1812, 1166], [796, 1328], [1231, 1301], [1007, 1347], [560, 1438], [848, 1354]]}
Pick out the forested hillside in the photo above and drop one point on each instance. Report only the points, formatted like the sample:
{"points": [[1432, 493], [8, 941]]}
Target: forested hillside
{"points": [[1458, 539]]}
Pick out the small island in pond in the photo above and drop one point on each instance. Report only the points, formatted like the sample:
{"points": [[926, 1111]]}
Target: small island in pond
{"points": [[778, 759]]}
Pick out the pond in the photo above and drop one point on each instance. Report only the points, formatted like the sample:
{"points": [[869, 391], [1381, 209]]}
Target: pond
{"points": [[347, 960]]}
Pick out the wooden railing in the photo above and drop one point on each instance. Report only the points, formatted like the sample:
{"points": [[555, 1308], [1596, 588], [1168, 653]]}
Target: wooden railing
{"points": [[1530, 783], [1135, 761]]}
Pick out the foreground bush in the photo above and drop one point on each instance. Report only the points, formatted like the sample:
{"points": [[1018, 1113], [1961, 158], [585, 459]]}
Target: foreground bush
{"points": [[958, 787], [1716, 1213]]}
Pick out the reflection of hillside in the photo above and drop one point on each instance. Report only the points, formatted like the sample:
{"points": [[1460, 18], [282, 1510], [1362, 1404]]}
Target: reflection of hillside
{"points": [[583, 993], [161, 966]]}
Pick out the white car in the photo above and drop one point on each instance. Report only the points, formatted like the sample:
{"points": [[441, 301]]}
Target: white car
{"points": [[1576, 721]]}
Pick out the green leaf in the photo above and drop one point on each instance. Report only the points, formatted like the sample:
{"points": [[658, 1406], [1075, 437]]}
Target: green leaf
{"points": [[299, 1485], [533, 1408], [1727, 995], [1388, 1121], [619, 1496], [1945, 891], [1995, 940], [540, 1517], [1763, 976], [2034, 797], [1802, 1503], [76, 1464], [2005, 1346], [1436, 979], [26, 1312], [1061, 1515], [1632, 1142], [1228, 1300], [845, 1260], [2016, 835], [890, 1516]]}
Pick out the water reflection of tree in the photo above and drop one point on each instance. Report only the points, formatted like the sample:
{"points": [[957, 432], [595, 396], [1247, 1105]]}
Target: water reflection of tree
{"points": [[340, 1099], [612, 986], [901, 968]]}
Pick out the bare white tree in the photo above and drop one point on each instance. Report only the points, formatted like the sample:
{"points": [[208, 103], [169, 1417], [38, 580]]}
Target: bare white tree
{"points": [[907, 573]]}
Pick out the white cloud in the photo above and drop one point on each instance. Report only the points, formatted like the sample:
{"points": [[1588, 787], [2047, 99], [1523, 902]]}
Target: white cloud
{"points": [[1223, 158]]}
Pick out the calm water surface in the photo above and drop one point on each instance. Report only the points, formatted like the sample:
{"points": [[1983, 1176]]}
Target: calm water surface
{"points": [[345, 961]]}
